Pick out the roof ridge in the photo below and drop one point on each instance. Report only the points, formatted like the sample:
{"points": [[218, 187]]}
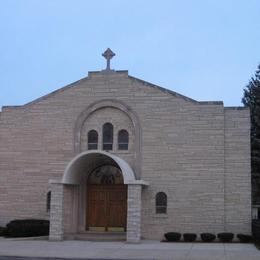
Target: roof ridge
{"points": [[56, 91], [171, 92]]}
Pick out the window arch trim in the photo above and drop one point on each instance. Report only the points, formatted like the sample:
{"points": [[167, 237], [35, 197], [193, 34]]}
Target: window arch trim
{"points": [[122, 106]]}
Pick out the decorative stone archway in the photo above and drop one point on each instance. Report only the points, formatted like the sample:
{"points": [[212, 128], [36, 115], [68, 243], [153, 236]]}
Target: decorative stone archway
{"points": [[68, 186], [128, 111]]}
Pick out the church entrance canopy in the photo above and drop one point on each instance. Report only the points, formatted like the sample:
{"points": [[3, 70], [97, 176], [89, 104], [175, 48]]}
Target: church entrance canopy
{"points": [[86, 162], [69, 204]]}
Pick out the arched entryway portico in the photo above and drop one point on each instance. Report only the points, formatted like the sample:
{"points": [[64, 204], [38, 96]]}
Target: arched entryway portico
{"points": [[87, 161], [70, 206]]}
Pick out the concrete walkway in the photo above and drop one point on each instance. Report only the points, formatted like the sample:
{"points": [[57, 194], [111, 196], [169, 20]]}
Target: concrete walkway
{"points": [[120, 250]]}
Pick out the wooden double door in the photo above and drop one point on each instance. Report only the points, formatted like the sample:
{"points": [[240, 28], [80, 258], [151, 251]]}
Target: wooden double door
{"points": [[106, 207]]}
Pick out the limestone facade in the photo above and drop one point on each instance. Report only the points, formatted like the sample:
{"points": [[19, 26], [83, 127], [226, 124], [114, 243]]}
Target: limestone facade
{"points": [[197, 153]]}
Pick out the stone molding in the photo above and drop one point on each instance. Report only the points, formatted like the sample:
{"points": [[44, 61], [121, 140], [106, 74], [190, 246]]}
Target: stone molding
{"points": [[72, 176], [113, 103]]}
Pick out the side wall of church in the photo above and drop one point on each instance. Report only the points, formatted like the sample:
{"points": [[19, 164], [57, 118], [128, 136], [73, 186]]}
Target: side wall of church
{"points": [[237, 170], [183, 156], [35, 147], [183, 153]]}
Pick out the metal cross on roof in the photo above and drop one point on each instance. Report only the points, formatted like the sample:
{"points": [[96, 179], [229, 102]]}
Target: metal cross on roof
{"points": [[108, 55]]}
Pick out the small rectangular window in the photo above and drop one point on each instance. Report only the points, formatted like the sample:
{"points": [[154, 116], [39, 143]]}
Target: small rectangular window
{"points": [[48, 201]]}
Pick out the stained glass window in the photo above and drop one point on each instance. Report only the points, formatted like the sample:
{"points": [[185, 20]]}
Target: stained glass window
{"points": [[123, 140], [107, 136], [161, 203], [107, 174], [92, 140]]}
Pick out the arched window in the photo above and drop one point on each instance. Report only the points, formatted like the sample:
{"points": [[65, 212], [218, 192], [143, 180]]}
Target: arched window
{"points": [[107, 136], [106, 174], [161, 203], [92, 140], [48, 201], [123, 140]]}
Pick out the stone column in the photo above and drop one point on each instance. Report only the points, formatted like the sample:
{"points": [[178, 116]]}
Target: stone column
{"points": [[134, 213], [56, 216]]}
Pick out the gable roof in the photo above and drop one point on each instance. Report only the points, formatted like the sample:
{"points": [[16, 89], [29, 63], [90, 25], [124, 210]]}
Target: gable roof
{"points": [[145, 83]]}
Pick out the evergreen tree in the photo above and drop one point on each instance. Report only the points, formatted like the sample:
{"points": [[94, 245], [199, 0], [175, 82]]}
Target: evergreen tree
{"points": [[251, 99]]}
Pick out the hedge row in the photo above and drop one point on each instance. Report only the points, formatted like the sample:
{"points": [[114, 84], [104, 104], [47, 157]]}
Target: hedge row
{"points": [[256, 232], [26, 228], [2, 231], [224, 237]]}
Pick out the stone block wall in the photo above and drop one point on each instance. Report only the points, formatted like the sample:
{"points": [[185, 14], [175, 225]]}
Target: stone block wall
{"points": [[70, 208], [56, 218], [183, 156], [186, 152], [237, 170], [134, 213]]}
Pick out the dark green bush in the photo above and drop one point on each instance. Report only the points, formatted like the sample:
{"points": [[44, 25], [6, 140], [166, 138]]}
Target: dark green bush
{"points": [[27, 228], [2, 231], [244, 238], [172, 236], [225, 237], [256, 229], [207, 237], [189, 237]]}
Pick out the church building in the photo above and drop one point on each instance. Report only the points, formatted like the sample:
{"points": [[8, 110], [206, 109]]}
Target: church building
{"points": [[114, 153]]}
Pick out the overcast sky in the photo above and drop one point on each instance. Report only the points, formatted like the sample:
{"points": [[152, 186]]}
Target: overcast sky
{"points": [[203, 49]]}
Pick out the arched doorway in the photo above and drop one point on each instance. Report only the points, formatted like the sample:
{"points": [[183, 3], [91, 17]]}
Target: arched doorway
{"points": [[68, 196], [100, 181], [106, 200]]}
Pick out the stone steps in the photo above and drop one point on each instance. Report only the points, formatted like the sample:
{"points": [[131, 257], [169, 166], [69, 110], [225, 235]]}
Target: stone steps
{"points": [[97, 236]]}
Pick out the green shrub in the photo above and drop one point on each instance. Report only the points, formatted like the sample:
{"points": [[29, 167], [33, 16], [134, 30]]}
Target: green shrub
{"points": [[2, 231], [27, 228], [172, 236], [207, 237], [256, 232], [225, 237], [189, 237], [244, 238]]}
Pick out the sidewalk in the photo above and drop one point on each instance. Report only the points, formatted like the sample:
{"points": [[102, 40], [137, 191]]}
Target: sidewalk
{"points": [[120, 250]]}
